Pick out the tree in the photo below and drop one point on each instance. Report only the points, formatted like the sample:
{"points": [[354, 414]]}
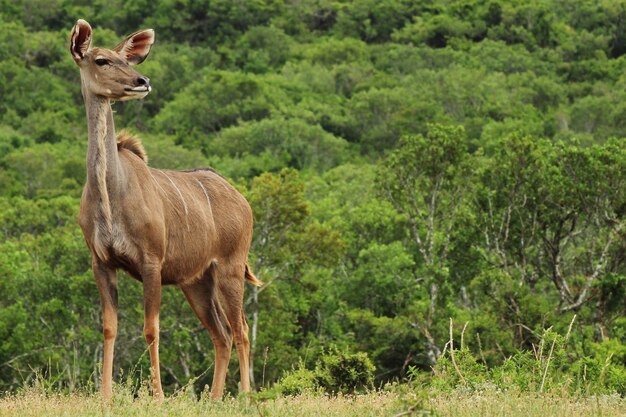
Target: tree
{"points": [[217, 100], [582, 203], [290, 142], [426, 180], [285, 244], [554, 212]]}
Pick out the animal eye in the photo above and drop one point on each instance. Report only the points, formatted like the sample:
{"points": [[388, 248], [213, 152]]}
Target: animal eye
{"points": [[101, 61]]}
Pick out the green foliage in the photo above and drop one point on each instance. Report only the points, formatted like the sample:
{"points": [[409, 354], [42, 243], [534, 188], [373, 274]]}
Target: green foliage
{"points": [[216, 101], [336, 372], [345, 373], [210, 21], [549, 367], [47, 170], [278, 200], [407, 162], [292, 143], [383, 274], [298, 381], [374, 21], [263, 49], [164, 153]]}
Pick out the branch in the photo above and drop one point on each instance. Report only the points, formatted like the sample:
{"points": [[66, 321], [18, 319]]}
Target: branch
{"points": [[418, 240], [545, 371], [583, 295], [432, 208], [456, 368], [172, 373], [32, 352]]}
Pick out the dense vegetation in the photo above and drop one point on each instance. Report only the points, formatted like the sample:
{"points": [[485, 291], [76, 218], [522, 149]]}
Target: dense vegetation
{"points": [[408, 162]]}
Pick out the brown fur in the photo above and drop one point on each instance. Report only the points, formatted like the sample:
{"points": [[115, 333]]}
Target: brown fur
{"points": [[187, 228], [126, 140]]}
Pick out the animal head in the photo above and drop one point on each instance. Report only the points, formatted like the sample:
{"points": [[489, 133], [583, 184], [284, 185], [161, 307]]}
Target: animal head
{"points": [[108, 72]]}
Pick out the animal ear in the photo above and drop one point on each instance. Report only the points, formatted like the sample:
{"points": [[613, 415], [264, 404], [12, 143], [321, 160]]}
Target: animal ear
{"points": [[136, 47], [80, 40]]}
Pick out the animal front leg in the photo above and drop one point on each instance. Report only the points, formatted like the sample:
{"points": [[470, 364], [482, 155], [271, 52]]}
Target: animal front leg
{"points": [[152, 303], [106, 280]]}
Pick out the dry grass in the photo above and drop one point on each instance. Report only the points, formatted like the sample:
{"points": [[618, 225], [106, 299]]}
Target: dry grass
{"points": [[489, 403], [35, 404], [493, 403]]}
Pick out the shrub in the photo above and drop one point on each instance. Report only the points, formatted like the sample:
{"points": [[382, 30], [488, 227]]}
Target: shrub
{"points": [[446, 377], [335, 373], [345, 373], [298, 381], [551, 366]]}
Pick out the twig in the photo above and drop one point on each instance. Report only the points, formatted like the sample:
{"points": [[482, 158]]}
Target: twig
{"points": [[445, 347], [408, 412], [458, 371], [535, 351], [480, 349], [32, 352], [258, 409], [500, 350], [545, 371], [265, 352], [569, 329], [607, 362], [415, 408], [463, 333], [543, 339], [528, 329]]}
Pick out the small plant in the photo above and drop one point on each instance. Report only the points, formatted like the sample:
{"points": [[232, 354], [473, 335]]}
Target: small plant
{"points": [[336, 372], [345, 373], [549, 367], [446, 377], [298, 381]]}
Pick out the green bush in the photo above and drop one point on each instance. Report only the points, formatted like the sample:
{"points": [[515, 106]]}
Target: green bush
{"points": [[298, 381], [345, 373], [550, 366], [336, 372]]}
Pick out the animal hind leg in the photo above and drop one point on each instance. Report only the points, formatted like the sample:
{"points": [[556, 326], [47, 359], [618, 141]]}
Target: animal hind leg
{"points": [[230, 281], [203, 299]]}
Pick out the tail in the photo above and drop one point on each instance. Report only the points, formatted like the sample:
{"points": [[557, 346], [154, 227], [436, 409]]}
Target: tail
{"points": [[251, 278]]}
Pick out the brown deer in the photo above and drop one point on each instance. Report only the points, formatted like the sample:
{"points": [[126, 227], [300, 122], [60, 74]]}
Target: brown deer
{"points": [[187, 228]]}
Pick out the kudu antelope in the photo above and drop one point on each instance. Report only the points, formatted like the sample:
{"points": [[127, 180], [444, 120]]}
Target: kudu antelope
{"points": [[187, 228]]}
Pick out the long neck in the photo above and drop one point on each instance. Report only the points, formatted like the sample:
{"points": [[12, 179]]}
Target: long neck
{"points": [[104, 170], [103, 164]]}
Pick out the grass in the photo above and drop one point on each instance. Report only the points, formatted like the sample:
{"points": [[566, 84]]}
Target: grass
{"points": [[34, 402], [493, 403]]}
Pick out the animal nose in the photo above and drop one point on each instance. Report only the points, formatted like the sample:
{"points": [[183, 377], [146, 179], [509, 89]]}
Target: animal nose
{"points": [[143, 81]]}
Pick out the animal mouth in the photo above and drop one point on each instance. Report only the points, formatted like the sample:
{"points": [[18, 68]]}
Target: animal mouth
{"points": [[139, 89]]}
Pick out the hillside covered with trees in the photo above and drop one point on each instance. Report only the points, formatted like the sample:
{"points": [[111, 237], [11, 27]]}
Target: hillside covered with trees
{"points": [[408, 163]]}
